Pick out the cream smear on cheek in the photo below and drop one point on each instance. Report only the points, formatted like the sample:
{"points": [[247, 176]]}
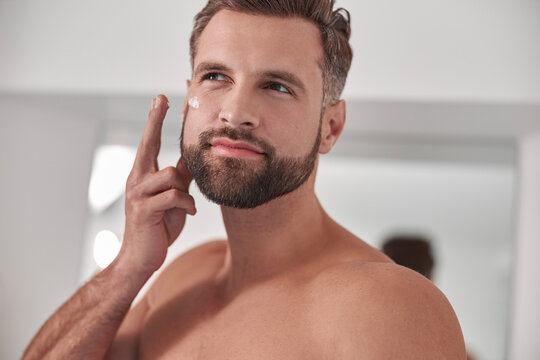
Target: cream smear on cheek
{"points": [[193, 102]]}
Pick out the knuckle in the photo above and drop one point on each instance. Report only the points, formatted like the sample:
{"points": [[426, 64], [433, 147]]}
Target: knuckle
{"points": [[135, 208], [150, 146], [132, 181], [173, 194], [170, 174], [141, 209], [133, 192], [131, 195], [170, 171]]}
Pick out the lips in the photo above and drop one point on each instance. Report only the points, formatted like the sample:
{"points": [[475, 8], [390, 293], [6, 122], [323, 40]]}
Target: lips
{"points": [[235, 145], [235, 149]]}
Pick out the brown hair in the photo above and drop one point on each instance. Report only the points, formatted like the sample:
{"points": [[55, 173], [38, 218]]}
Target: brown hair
{"points": [[334, 26], [412, 251]]}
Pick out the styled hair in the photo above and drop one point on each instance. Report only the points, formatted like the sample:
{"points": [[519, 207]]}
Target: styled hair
{"points": [[334, 27]]}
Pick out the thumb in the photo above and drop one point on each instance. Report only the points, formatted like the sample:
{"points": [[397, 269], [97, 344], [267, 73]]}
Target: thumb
{"points": [[184, 173]]}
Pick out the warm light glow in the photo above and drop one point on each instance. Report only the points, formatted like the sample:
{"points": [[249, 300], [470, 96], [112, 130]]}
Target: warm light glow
{"points": [[111, 167], [106, 247]]}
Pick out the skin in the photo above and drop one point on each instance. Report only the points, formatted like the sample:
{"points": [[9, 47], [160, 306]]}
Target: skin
{"points": [[288, 282], [296, 279]]}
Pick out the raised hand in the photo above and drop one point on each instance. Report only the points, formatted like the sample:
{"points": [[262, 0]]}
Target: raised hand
{"points": [[157, 201]]}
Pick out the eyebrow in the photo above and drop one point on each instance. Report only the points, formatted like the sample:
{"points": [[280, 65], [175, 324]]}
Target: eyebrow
{"points": [[284, 76], [210, 66]]}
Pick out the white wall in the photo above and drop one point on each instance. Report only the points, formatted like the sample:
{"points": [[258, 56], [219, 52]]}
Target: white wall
{"points": [[45, 157], [526, 319], [418, 49]]}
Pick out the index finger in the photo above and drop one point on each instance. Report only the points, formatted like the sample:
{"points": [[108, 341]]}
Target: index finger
{"points": [[148, 150]]}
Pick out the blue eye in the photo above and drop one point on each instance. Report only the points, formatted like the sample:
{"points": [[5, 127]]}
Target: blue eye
{"points": [[214, 77], [279, 87]]}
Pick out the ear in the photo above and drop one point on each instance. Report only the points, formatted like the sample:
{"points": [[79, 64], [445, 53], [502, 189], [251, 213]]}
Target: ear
{"points": [[185, 104], [332, 125]]}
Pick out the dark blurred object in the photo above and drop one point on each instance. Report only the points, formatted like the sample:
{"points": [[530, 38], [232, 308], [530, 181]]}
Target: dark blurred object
{"points": [[412, 251]]}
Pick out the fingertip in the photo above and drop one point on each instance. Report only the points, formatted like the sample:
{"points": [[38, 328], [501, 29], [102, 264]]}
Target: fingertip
{"points": [[193, 206], [162, 98], [184, 172], [158, 102], [191, 211]]}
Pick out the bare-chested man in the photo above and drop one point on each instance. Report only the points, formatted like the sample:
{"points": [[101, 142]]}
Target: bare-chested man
{"points": [[288, 282]]}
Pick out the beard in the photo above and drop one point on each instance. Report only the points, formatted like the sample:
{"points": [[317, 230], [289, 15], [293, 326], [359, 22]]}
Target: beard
{"points": [[245, 183]]}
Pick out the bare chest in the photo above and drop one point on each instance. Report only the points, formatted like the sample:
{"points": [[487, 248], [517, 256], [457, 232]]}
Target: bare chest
{"points": [[265, 324]]}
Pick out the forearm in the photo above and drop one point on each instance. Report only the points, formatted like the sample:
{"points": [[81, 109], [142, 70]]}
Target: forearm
{"points": [[157, 202], [85, 326]]}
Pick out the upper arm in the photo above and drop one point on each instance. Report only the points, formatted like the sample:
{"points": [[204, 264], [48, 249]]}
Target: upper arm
{"points": [[126, 342], [388, 311]]}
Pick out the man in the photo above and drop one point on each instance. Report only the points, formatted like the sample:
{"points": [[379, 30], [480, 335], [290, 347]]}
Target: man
{"points": [[288, 282]]}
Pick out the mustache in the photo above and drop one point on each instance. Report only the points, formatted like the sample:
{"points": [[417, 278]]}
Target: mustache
{"points": [[236, 134]]}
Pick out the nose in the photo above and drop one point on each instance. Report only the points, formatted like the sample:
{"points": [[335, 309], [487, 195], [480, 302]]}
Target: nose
{"points": [[239, 109]]}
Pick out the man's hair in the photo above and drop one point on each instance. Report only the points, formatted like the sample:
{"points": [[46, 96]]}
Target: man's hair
{"points": [[412, 251], [334, 27]]}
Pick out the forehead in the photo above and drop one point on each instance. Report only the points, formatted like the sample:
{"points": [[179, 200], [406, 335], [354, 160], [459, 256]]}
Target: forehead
{"points": [[256, 42]]}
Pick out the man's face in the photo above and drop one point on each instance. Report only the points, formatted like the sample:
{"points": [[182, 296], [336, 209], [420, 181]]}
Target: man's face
{"points": [[256, 133]]}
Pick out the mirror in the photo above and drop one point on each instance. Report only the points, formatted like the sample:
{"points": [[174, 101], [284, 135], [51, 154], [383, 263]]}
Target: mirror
{"points": [[458, 190]]}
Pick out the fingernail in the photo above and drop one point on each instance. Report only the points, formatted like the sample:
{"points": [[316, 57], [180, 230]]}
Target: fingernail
{"points": [[158, 101]]}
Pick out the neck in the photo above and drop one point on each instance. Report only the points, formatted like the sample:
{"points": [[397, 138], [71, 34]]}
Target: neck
{"points": [[273, 238]]}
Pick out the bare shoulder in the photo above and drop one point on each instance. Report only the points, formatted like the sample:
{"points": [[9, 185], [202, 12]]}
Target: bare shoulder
{"points": [[189, 268], [384, 310]]}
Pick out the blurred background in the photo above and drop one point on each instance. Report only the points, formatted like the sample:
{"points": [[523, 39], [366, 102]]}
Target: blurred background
{"points": [[442, 141]]}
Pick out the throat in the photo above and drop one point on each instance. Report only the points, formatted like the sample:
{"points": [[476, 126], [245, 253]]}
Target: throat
{"points": [[265, 243]]}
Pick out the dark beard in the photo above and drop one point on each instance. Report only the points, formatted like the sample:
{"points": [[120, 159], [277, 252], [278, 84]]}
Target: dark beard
{"points": [[245, 183]]}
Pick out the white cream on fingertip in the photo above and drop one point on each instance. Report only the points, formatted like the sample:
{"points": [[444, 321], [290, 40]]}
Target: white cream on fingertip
{"points": [[194, 102]]}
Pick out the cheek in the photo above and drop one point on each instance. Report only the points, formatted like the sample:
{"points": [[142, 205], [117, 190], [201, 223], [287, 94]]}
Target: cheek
{"points": [[295, 137], [190, 134], [198, 120]]}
